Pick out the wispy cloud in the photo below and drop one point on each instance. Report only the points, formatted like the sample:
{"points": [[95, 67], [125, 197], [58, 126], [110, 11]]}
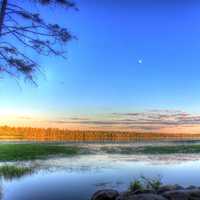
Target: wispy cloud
{"points": [[150, 120]]}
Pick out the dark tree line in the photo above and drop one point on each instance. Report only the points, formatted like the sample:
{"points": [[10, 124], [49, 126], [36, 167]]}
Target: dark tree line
{"points": [[21, 26]]}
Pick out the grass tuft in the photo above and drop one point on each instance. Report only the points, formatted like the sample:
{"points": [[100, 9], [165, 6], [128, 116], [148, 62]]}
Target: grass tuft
{"points": [[145, 183], [136, 185], [12, 171]]}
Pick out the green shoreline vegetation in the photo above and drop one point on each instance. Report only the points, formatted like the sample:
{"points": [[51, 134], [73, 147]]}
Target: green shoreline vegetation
{"points": [[144, 183], [152, 150], [9, 171], [20, 152], [23, 152]]}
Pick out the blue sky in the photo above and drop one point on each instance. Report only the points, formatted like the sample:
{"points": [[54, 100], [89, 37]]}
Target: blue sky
{"points": [[130, 56]]}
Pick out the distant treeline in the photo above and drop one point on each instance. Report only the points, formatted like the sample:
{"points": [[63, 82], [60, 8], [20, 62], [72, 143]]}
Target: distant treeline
{"points": [[54, 134]]}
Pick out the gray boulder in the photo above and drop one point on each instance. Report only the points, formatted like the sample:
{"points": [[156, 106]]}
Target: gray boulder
{"points": [[176, 195], [167, 192], [105, 195], [145, 191], [191, 187], [126, 195], [146, 197], [166, 188], [186, 194]]}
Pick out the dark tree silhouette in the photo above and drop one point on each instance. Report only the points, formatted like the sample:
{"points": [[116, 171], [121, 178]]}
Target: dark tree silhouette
{"points": [[20, 26]]}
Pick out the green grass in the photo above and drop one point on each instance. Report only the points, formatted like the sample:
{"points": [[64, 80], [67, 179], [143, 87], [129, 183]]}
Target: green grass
{"points": [[19, 152], [12, 171], [135, 185], [144, 183], [168, 149]]}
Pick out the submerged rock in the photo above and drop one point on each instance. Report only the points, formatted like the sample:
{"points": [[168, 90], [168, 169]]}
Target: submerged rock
{"points": [[105, 195]]}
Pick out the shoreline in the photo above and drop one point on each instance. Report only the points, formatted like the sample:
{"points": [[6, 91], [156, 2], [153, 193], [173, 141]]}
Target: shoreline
{"points": [[155, 192], [33, 151]]}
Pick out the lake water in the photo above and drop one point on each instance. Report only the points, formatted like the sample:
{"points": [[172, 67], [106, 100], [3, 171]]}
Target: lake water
{"points": [[76, 178]]}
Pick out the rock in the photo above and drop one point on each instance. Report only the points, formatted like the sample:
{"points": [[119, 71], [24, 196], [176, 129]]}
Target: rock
{"points": [[105, 195], [176, 195], [145, 197], [166, 188], [178, 187], [186, 194], [193, 192], [167, 192], [191, 187], [146, 191], [121, 197], [125, 195]]}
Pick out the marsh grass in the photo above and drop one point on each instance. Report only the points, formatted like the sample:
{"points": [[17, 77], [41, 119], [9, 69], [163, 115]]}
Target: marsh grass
{"points": [[168, 149], [136, 185], [144, 183], [12, 171], [19, 152]]}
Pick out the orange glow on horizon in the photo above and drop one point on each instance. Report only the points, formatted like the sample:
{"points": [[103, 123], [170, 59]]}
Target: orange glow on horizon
{"points": [[76, 126]]}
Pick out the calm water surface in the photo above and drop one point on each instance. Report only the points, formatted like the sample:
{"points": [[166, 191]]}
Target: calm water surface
{"points": [[76, 178]]}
